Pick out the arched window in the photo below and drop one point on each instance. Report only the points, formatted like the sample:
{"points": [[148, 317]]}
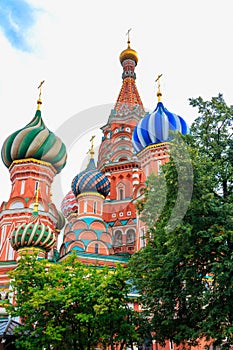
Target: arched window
{"points": [[118, 238], [130, 236], [96, 248], [16, 205], [121, 194]]}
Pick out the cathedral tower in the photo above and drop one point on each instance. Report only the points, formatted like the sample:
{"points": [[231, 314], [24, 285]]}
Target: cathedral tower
{"points": [[117, 157], [33, 155]]}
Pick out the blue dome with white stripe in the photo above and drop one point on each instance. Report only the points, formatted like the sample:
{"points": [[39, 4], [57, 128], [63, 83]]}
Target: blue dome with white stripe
{"points": [[157, 127]]}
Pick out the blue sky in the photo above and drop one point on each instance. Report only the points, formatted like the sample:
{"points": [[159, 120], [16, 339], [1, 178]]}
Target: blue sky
{"points": [[16, 19]]}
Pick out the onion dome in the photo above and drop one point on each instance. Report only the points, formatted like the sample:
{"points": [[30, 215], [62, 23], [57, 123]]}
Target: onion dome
{"points": [[91, 180], [69, 204], [60, 221], [32, 234], [157, 127], [129, 54], [36, 141]]}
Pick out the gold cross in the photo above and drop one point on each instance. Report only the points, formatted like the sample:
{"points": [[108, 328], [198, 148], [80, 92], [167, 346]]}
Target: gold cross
{"points": [[158, 80], [39, 102], [128, 34], [91, 150], [40, 87], [159, 94], [92, 141]]}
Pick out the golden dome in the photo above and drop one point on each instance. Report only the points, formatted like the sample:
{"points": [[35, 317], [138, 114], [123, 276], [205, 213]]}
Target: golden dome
{"points": [[129, 54]]}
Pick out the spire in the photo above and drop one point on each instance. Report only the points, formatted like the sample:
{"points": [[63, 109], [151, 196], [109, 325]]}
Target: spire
{"points": [[36, 204], [159, 94], [39, 102], [128, 95]]}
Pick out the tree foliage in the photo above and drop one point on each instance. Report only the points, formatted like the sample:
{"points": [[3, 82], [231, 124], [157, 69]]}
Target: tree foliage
{"points": [[68, 305], [185, 273]]}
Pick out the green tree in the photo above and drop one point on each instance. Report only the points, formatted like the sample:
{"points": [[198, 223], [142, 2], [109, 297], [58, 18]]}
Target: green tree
{"points": [[118, 322], [185, 273], [62, 304]]}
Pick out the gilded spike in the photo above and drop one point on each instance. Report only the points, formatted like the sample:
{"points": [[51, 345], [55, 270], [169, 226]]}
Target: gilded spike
{"points": [[39, 102]]}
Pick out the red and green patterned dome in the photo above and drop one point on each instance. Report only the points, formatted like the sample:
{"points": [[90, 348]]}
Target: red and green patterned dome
{"points": [[36, 141], [32, 234]]}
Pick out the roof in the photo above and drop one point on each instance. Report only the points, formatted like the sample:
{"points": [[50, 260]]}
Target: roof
{"points": [[7, 327]]}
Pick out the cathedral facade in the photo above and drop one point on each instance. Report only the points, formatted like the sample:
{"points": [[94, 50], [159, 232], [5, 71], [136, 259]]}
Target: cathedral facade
{"points": [[98, 215]]}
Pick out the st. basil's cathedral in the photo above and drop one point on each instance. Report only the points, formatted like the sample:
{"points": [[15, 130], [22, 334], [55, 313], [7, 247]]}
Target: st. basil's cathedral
{"points": [[98, 215]]}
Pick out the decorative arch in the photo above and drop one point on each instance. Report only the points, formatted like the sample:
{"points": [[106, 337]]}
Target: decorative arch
{"points": [[97, 225], [102, 248], [120, 188], [16, 205], [70, 236], [89, 235], [105, 237], [139, 190], [77, 245], [130, 236], [79, 225], [40, 206], [117, 238], [66, 228], [62, 250], [126, 154]]}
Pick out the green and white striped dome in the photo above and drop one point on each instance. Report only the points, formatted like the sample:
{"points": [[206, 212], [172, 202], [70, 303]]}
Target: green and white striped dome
{"points": [[36, 141]]}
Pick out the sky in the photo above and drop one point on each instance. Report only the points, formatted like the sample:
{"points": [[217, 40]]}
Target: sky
{"points": [[75, 45]]}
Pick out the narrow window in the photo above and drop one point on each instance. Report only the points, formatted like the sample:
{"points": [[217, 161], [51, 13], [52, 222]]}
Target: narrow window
{"points": [[85, 207], [121, 194], [22, 187], [95, 207], [159, 167], [96, 248], [36, 185]]}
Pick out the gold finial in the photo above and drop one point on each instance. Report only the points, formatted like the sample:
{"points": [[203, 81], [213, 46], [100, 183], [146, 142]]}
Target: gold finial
{"points": [[36, 204], [91, 150], [159, 94], [128, 42], [39, 102]]}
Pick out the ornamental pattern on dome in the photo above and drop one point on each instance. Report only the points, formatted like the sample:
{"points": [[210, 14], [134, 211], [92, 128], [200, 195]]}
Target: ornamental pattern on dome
{"points": [[32, 234], [69, 204], [91, 180], [60, 221], [36, 141], [157, 127]]}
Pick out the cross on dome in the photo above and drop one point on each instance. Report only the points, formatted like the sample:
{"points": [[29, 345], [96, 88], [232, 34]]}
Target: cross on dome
{"points": [[91, 150], [39, 102], [159, 94]]}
